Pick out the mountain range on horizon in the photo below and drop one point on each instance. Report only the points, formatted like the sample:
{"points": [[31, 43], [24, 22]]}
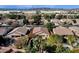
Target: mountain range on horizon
{"points": [[39, 6]]}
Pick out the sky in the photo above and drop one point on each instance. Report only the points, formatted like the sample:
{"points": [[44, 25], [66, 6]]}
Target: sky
{"points": [[39, 6]]}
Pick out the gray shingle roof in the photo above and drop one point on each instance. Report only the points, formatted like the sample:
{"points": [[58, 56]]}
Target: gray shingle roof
{"points": [[18, 31]]}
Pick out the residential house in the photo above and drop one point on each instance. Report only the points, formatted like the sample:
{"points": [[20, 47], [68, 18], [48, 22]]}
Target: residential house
{"points": [[2, 22], [41, 31], [5, 50], [62, 31], [66, 20], [75, 30], [14, 22], [56, 22], [17, 32], [29, 13], [53, 11], [4, 12], [20, 22], [4, 30]]}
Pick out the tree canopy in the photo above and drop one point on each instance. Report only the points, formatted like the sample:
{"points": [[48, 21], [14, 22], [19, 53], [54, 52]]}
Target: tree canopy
{"points": [[50, 26]]}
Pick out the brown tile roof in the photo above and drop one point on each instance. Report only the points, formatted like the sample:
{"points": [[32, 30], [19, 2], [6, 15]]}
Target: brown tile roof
{"points": [[5, 50], [40, 31], [75, 30], [62, 31]]}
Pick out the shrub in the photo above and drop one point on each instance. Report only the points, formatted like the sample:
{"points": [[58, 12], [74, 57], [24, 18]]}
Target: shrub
{"points": [[21, 42]]}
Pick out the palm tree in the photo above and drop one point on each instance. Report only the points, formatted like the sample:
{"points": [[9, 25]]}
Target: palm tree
{"points": [[59, 16], [37, 19], [71, 39], [38, 44], [25, 21], [54, 41], [47, 16], [50, 26]]}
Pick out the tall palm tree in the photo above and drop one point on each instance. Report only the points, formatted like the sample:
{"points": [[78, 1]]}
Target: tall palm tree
{"points": [[50, 26]]}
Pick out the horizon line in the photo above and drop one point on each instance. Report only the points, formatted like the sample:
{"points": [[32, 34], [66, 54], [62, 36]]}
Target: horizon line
{"points": [[39, 6]]}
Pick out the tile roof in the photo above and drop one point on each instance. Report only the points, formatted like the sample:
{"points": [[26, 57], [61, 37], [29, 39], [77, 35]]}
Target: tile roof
{"points": [[40, 31], [5, 50], [18, 31], [62, 31], [75, 30], [4, 30]]}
